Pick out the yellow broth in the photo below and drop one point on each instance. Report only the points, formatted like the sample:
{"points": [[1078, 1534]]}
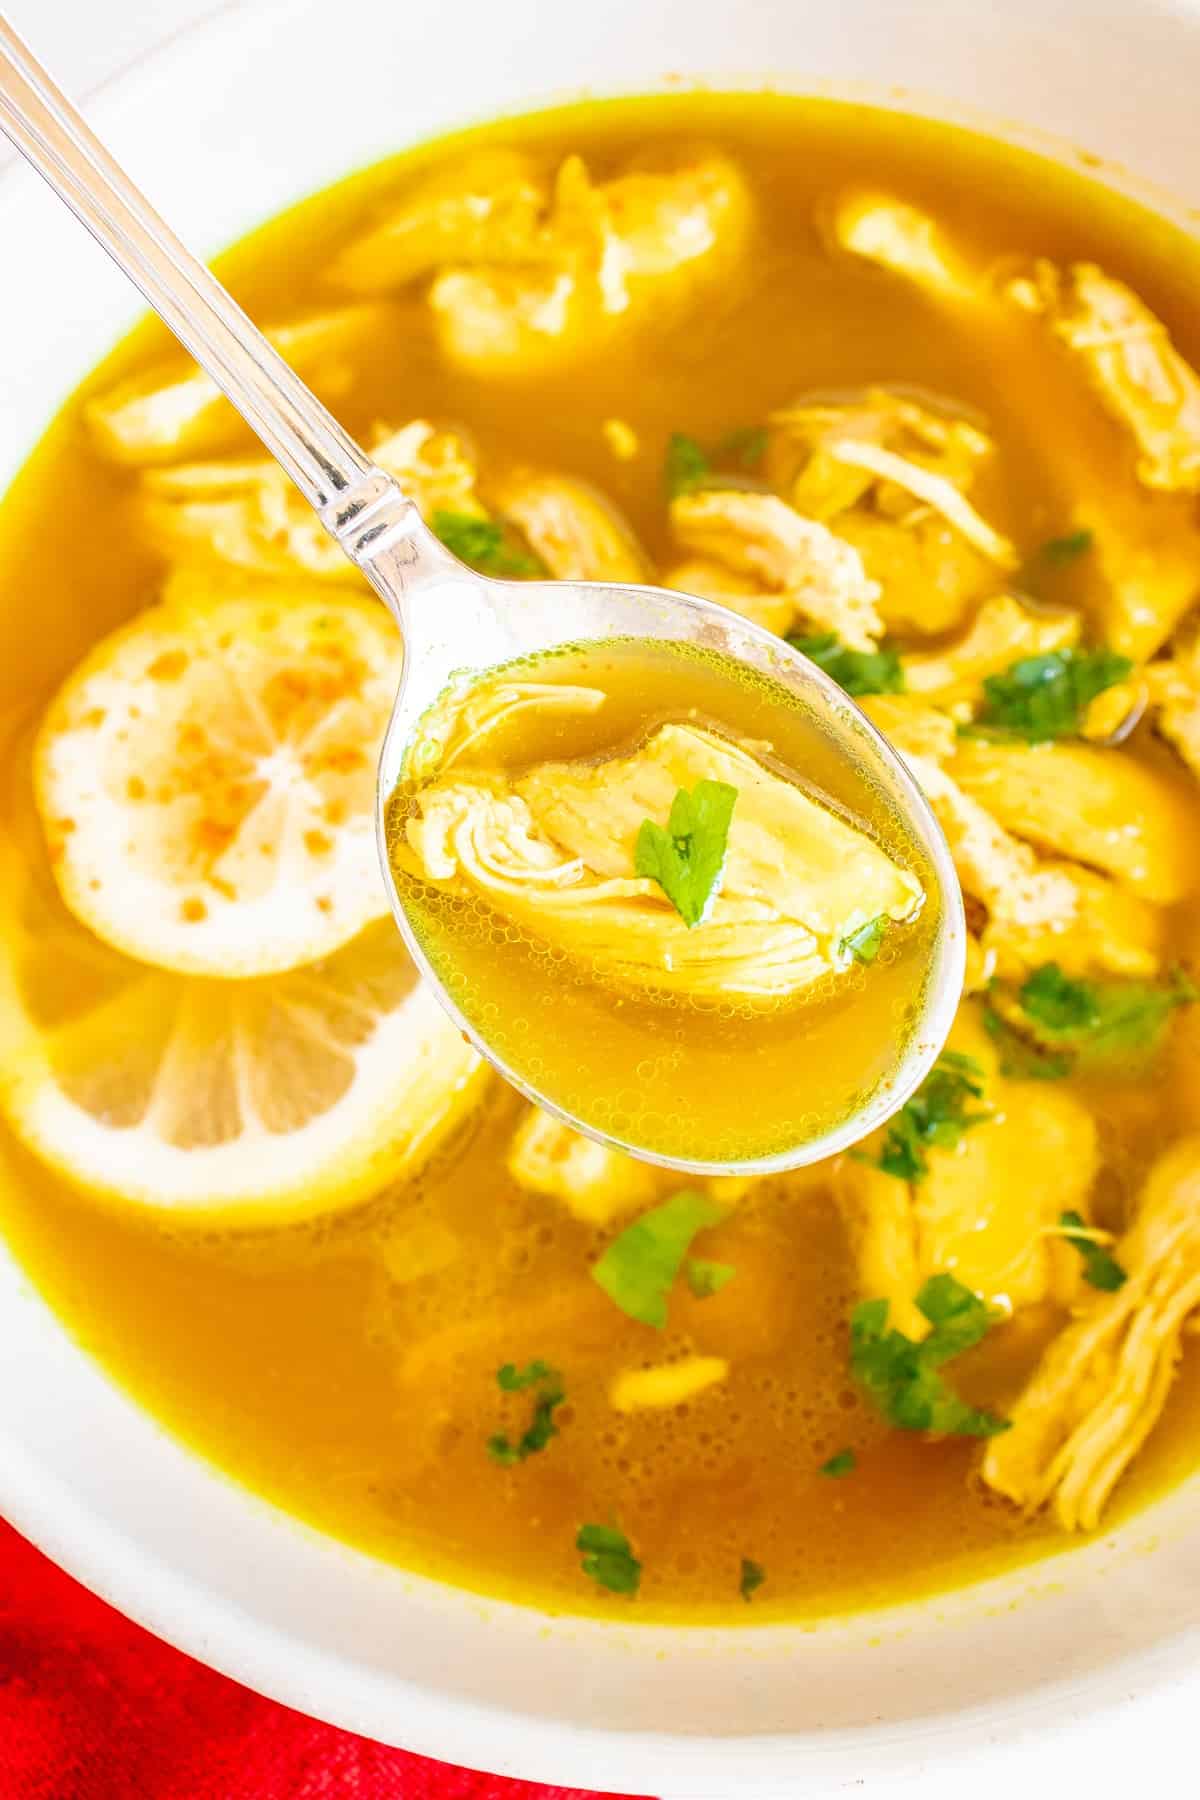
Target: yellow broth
{"points": [[317, 1364]]}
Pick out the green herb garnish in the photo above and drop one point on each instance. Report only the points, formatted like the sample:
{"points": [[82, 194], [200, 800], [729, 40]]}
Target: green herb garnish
{"points": [[1061, 550], [864, 944], [1039, 698], [1099, 1021], [744, 446], [707, 1278], [937, 1115], [608, 1558], [482, 544], [515, 1381], [639, 1268], [844, 1463], [903, 1377], [857, 671], [550, 1394], [752, 1578], [1057, 1002], [687, 855], [1100, 1268], [1054, 1025], [687, 465]]}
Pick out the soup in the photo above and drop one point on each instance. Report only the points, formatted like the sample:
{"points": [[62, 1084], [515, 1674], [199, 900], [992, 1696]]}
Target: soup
{"points": [[627, 951], [924, 405]]}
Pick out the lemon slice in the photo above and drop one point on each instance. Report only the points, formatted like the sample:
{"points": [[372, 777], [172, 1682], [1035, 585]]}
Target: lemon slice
{"points": [[206, 778], [263, 1100]]}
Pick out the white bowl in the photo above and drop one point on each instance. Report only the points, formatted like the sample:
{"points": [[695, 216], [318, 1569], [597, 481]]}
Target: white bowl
{"points": [[229, 124]]}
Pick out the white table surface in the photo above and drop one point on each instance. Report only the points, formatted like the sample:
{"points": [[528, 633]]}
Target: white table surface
{"points": [[86, 42]]}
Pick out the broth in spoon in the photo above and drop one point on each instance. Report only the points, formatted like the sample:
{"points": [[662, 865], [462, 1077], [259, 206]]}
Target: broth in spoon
{"points": [[648, 879]]}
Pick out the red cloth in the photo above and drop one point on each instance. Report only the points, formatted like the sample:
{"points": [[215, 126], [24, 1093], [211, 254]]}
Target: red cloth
{"points": [[94, 1708]]}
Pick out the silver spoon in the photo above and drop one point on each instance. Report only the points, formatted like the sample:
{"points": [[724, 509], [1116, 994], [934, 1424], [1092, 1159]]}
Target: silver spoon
{"points": [[454, 621]]}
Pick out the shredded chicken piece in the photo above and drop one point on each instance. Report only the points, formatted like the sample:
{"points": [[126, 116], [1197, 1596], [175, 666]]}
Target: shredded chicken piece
{"points": [[799, 560], [669, 1384], [1147, 558], [486, 207], [992, 865], [1102, 1384], [891, 475], [895, 236], [1174, 690], [1002, 631], [1038, 909], [1130, 363], [914, 726], [173, 410], [247, 514], [594, 1182], [250, 514], [711, 580], [459, 722], [578, 533], [933, 491], [1104, 808], [1106, 931], [983, 1210], [649, 240], [801, 455], [929, 576], [554, 850], [1143, 571]]}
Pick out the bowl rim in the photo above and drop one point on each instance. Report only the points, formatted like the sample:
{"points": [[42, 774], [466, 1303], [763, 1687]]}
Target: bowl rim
{"points": [[174, 1607]]}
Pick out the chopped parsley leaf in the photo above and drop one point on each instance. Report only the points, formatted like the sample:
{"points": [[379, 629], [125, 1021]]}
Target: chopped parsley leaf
{"points": [[1039, 698], [1061, 550], [639, 1268], [903, 1377], [864, 944], [1053, 1000], [687, 465], [687, 855], [857, 671], [608, 1558], [481, 544], [1100, 1268], [744, 446], [844, 1463], [550, 1394], [1099, 1021], [752, 1577], [515, 1381], [707, 1278], [937, 1114]]}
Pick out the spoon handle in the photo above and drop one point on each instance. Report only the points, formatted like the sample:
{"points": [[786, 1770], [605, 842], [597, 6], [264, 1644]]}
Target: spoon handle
{"points": [[324, 462]]}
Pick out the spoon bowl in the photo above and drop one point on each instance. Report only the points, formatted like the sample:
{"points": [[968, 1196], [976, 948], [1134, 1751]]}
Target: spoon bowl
{"points": [[458, 626], [455, 622]]}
